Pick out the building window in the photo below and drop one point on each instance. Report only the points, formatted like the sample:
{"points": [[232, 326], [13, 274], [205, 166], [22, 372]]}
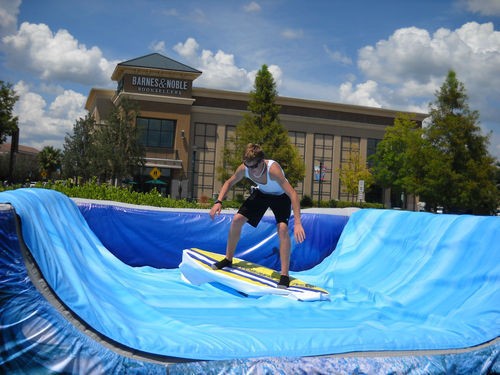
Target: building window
{"points": [[205, 138], [156, 132], [238, 191], [374, 193], [322, 167], [230, 140], [349, 153], [371, 150], [298, 139]]}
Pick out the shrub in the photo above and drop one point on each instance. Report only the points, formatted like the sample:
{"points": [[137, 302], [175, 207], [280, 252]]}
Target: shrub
{"points": [[94, 190], [306, 201]]}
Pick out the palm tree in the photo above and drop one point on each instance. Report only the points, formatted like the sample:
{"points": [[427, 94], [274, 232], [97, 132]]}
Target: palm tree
{"points": [[49, 160]]}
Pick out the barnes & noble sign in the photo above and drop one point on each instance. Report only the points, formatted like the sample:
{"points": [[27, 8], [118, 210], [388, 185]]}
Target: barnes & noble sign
{"points": [[157, 85]]}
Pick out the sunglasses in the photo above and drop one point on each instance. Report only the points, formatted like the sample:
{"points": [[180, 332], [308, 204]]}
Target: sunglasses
{"points": [[254, 165]]}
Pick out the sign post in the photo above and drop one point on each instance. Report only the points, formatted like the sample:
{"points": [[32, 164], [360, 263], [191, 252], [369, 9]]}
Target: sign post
{"points": [[319, 175], [155, 173], [361, 190]]}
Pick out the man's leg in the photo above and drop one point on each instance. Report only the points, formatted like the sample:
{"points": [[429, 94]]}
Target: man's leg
{"points": [[285, 244], [232, 240], [234, 234]]}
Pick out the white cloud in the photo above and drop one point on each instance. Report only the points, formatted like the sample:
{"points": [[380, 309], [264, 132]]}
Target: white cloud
{"points": [[9, 10], [495, 145], [157, 47], [219, 69], [414, 89], [404, 55], [252, 7], [483, 7], [68, 105], [42, 126], [56, 56], [275, 70], [412, 64], [337, 56], [51, 89], [473, 51], [363, 94], [188, 49], [292, 34]]}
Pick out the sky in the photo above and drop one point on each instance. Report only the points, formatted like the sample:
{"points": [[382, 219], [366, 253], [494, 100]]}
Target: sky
{"points": [[392, 54]]}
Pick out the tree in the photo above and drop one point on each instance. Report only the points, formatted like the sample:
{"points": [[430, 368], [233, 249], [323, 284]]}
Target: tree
{"points": [[447, 163], [118, 149], [8, 122], [262, 125], [352, 172], [459, 173], [400, 158], [50, 160], [79, 159], [26, 168], [497, 174]]}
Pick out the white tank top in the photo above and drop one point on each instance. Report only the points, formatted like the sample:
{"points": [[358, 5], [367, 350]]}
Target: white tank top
{"points": [[271, 187]]}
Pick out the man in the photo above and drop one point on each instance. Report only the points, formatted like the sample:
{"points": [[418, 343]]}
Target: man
{"points": [[275, 192]]}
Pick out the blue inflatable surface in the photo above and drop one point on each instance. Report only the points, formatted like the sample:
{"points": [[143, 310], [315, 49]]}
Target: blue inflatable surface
{"points": [[399, 281], [141, 237]]}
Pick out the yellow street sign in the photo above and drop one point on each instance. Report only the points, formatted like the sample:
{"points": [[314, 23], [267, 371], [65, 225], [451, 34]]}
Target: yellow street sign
{"points": [[155, 173]]}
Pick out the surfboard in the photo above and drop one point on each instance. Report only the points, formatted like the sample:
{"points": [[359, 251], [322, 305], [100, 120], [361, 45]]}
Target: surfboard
{"points": [[246, 277]]}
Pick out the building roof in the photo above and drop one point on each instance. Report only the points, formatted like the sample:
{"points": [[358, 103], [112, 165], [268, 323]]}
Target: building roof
{"points": [[5, 148], [303, 107], [155, 61]]}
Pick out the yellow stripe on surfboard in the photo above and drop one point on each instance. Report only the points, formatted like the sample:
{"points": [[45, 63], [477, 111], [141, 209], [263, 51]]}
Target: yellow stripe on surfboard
{"points": [[255, 269]]}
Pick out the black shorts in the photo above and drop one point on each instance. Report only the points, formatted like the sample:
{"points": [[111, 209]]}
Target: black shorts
{"points": [[256, 205]]}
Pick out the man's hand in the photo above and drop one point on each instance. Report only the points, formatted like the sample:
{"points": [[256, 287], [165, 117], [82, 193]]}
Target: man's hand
{"points": [[216, 209], [299, 233]]}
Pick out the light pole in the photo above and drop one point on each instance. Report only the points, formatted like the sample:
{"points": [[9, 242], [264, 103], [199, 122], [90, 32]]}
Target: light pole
{"points": [[320, 187], [193, 169], [319, 174]]}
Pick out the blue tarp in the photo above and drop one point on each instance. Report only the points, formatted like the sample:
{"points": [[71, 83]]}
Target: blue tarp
{"points": [[142, 237], [398, 280]]}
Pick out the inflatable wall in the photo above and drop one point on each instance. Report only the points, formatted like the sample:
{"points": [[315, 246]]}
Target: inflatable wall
{"points": [[408, 291]]}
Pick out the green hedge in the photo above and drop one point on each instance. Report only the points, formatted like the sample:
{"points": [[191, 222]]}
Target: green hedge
{"points": [[308, 202], [93, 190]]}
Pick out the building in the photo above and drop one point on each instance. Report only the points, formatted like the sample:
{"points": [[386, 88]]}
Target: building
{"points": [[27, 151], [186, 128], [18, 163]]}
